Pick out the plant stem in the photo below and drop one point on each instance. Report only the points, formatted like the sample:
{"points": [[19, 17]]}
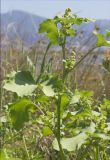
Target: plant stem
{"points": [[24, 141], [58, 117], [64, 57], [83, 57], [43, 63], [97, 153], [62, 157], [42, 112]]}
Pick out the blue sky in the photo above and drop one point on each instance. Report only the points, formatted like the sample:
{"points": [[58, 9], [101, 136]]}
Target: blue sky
{"points": [[98, 9]]}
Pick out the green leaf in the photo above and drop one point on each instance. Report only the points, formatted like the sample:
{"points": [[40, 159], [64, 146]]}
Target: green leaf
{"points": [[90, 129], [106, 104], [71, 32], [19, 112], [86, 94], [50, 28], [79, 20], [75, 99], [108, 126], [65, 100], [102, 136], [22, 83], [3, 119], [70, 144], [51, 85], [108, 33], [95, 113], [101, 40], [42, 99], [47, 131], [48, 89]]}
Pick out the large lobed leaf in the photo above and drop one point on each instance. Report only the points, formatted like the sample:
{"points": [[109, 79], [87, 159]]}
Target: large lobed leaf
{"points": [[19, 112], [70, 144], [48, 89], [49, 27], [51, 85], [22, 83]]}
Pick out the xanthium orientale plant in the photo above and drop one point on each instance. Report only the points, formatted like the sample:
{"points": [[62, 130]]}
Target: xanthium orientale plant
{"points": [[78, 125]]}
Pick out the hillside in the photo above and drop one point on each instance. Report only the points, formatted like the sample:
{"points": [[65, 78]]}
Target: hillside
{"points": [[23, 26], [19, 25]]}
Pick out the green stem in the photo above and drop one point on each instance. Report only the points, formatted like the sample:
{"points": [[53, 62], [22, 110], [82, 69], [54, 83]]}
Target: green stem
{"points": [[43, 63], [79, 62], [58, 117], [24, 141], [62, 157], [64, 57], [97, 153], [39, 108]]}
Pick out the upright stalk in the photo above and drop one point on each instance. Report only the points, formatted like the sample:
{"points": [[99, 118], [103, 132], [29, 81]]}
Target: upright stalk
{"points": [[97, 153], [58, 135], [25, 146], [43, 63], [64, 57]]}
